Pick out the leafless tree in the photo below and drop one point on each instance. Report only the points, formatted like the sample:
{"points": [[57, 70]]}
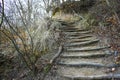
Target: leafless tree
{"points": [[27, 30], [2, 12], [20, 35]]}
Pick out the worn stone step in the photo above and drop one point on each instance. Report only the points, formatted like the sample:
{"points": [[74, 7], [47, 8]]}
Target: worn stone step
{"points": [[77, 30], [86, 61], [88, 64], [69, 28], [79, 37], [88, 48], [65, 23], [82, 64], [81, 60], [92, 54], [82, 40], [94, 77], [82, 43], [72, 73], [77, 33]]}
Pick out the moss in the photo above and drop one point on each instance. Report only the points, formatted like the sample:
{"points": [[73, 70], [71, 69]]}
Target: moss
{"points": [[47, 68], [55, 11]]}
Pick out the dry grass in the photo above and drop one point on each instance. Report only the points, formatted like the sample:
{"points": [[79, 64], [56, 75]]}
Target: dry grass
{"points": [[66, 17], [44, 41], [86, 21]]}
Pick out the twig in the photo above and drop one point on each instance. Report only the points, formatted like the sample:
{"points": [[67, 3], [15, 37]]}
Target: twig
{"points": [[57, 55]]}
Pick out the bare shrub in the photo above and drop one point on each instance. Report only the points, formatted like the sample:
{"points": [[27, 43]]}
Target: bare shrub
{"points": [[30, 34]]}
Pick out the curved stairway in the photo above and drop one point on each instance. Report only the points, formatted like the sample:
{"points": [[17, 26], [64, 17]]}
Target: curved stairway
{"points": [[85, 58]]}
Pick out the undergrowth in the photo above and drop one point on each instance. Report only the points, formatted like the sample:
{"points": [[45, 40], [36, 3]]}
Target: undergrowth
{"points": [[44, 41], [86, 21]]}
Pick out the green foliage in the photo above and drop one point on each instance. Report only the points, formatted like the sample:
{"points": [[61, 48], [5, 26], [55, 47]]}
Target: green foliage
{"points": [[47, 68], [55, 11]]}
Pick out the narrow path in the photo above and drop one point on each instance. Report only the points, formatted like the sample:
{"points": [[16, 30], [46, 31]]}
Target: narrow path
{"points": [[84, 58]]}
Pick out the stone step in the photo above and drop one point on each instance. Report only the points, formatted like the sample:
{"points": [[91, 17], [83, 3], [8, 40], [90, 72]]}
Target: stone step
{"points": [[87, 64], [79, 37], [95, 77], [64, 23], [81, 60], [84, 62], [87, 73], [82, 40], [77, 33], [92, 54], [69, 28], [77, 30], [72, 44], [88, 48]]}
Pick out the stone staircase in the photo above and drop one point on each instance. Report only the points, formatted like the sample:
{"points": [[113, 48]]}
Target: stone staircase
{"points": [[85, 57]]}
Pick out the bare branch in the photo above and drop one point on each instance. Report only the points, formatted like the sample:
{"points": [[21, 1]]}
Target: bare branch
{"points": [[2, 13]]}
